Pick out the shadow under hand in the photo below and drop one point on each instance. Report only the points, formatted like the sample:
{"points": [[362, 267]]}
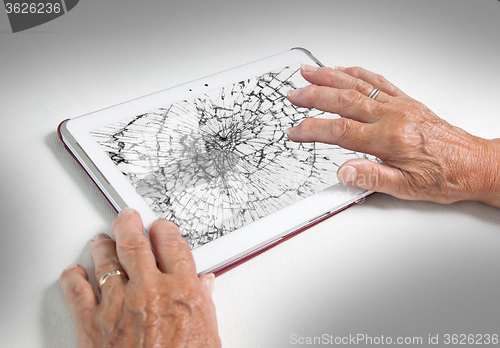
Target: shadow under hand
{"points": [[475, 210]]}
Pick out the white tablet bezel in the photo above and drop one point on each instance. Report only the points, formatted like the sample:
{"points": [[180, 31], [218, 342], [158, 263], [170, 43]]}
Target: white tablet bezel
{"points": [[75, 134]]}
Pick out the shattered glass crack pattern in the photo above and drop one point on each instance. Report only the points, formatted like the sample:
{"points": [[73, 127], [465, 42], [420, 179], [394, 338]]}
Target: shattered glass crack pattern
{"points": [[219, 161]]}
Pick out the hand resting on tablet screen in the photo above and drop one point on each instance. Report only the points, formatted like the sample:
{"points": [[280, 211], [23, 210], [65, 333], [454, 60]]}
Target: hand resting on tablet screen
{"points": [[145, 304], [425, 158]]}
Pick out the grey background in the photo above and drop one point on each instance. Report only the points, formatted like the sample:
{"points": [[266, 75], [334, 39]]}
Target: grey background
{"points": [[385, 267]]}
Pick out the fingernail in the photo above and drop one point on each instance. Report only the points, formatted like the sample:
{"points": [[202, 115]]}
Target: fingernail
{"points": [[308, 68], [99, 236], [72, 266], [347, 174], [293, 92], [289, 131], [211, 282], [341, 68], [126, 211]]}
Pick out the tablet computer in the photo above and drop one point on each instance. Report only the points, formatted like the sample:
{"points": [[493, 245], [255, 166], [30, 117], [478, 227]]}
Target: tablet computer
{"points": [[212, 156]]}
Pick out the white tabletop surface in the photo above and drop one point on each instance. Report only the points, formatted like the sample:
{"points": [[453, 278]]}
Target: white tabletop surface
{"points": [[383, 268]]}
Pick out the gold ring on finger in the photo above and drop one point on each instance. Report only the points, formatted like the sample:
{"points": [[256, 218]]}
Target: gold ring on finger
{"points": [[108, 275]]}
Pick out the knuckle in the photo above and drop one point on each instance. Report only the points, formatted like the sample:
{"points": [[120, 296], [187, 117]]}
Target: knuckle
{"points": [[80, 289], [315, 96], [149, 287], [133, 245], [307, 126], [340, 128], [380, 80], [407, 133], [185, 302], [147, 284], [150, 292], [74, 292], [348, 98], [355, 71], [189, 302], [360, 85], [373, 179], [377, 109], [312, 93], [330, 73], [410, 114], [184, 297], [407, 136], [124, 219], [105, 266], [185, 262], [97, 247], [175, 242]]}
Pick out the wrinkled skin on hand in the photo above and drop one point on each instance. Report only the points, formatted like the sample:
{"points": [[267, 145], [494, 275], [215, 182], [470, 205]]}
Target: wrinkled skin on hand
{"points": [[425, 158], [164, 305]]}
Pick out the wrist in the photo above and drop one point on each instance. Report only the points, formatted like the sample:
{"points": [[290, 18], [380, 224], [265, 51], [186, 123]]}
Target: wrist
{"points": [[491, 171]]}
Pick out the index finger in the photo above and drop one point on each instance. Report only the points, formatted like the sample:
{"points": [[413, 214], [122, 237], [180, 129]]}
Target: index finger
{"points": [[132, 247], [346, 133], [172, 251]]}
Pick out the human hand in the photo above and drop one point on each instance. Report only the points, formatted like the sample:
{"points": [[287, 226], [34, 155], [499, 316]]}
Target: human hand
{"points": [[158, 306], [425, 157]]}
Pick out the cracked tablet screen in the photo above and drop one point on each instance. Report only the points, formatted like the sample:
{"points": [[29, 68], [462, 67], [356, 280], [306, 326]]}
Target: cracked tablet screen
{"points": [[219, 161]]}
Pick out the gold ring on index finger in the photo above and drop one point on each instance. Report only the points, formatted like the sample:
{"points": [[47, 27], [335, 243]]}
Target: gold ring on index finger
{"points": [[108, 275]]}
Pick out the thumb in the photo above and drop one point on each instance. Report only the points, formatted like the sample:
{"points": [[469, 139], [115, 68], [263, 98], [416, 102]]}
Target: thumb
{"points": [[371, 176], [207, 282]]}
